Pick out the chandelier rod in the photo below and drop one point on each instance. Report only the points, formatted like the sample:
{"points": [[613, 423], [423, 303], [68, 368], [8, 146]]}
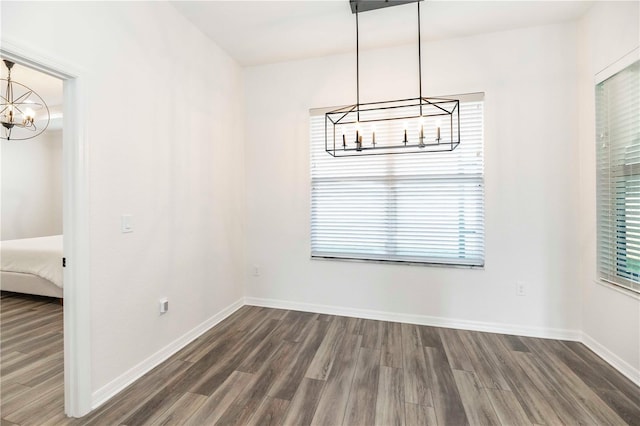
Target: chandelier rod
{"points": [[419, 61], [358, 63], [357, 67]]}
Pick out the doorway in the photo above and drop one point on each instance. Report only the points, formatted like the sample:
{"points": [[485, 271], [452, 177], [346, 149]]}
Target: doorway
{"points": [[75, 222]]}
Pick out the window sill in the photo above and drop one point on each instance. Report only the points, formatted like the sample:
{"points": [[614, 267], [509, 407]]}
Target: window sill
{"points": [[396, 262], [630, 293]]}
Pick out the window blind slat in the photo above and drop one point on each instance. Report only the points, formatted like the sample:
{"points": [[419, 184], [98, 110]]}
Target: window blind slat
{"points": [[426, 208]]}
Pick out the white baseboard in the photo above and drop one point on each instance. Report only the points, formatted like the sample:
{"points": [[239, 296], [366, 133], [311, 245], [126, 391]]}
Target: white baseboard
{"points": [[546, 333], [103, 394], [106, 392], [612, 359], [628, 370]]}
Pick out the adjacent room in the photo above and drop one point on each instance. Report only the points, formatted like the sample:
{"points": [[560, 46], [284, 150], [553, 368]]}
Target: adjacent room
{"points": [[32, 183], [31, 252], [341, 212]]}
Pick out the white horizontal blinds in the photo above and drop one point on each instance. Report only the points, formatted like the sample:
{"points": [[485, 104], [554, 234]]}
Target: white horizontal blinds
{"points": [[618, 177], [425, 207]]}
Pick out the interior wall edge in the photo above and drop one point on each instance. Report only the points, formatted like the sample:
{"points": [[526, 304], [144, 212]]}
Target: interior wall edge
{"points": [[626, 369], [111, 389]]}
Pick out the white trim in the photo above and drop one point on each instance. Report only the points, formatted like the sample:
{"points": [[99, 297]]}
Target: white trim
{"points": [[105, 393], [77, 316], [618, 65], [337, 258], [112, 388], [76, 240], [619, 289], [542, 332], [628, 370]]}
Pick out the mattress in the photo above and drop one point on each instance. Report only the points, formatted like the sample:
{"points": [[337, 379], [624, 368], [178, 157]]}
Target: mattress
{"points": [[40, 256]]}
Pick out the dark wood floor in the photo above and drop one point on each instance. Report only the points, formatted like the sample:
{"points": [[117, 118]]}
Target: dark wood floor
{"points": [[31, 363], [266, 366]]}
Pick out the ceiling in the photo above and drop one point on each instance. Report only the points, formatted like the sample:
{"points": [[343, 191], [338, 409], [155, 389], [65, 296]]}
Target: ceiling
{"points": [[260, 32], [49, 88]]}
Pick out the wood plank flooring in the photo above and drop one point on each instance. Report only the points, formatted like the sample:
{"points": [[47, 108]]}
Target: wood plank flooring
{"points": [[272, 367], [31, 363]]}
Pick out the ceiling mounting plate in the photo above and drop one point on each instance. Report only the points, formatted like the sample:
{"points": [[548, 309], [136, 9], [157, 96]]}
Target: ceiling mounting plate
{"points": [[366, 5]]}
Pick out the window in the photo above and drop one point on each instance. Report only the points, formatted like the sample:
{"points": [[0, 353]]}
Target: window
{"points": [[618, 177], [418, 208]]}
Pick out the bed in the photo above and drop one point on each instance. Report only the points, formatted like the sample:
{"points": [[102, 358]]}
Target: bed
{"points": [[32, 266]]}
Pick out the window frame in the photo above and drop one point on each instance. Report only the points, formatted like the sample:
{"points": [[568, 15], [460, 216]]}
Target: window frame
{"points": [[623, 172]]}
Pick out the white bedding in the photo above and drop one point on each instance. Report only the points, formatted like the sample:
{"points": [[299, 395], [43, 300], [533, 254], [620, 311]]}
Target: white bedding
{"points": [[40, 256]]}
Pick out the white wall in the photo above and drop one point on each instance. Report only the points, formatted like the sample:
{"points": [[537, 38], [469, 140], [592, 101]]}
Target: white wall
{"points": [[164, 134], [529, 78], [31, 186], [610, 318]]}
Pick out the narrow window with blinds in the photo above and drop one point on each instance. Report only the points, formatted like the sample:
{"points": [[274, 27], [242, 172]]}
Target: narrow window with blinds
{"points": [[417, 208], [618, 178]]}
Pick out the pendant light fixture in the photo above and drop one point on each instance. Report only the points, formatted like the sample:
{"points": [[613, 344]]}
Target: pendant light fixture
{"points": [[23, 113], [412, 125]]}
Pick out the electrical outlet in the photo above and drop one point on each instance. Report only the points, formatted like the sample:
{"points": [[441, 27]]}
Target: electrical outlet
{"points": [[164, 305], [521, 289], [255, 270]]}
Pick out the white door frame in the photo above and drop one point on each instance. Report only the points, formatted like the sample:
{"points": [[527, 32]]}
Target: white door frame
{"points": [[77, 302]]}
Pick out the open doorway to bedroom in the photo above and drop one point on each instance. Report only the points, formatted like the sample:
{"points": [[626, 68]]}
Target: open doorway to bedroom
{"points": [[31, 243]]}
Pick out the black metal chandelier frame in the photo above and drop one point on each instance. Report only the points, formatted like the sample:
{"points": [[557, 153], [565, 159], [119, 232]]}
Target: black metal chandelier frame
{"points": [[403, 109], [14, 112]]}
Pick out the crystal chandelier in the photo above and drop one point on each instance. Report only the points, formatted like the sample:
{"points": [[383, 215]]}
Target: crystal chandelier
{"points": [[18, 108], [392, 127]]}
